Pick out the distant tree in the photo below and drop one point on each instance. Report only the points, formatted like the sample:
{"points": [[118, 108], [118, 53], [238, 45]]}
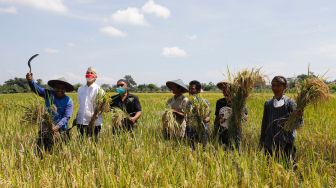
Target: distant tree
{"points": [[291, 82], [332, 87], [106, 87], [164, 88], [153, 87], [142, 87], [16, 85], [39, 82], [209, 87], [130, 80]]}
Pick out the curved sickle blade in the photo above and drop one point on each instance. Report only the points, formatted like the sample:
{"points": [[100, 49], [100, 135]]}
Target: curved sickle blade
{"points": [[30, 59]]}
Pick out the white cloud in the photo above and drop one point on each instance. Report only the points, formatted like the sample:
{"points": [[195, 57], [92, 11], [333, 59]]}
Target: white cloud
{"points": [[8, 10], [130, 16], [51, 51], [49, 5], [112, 32], [173, 52], [192, 37], [152, 8]]}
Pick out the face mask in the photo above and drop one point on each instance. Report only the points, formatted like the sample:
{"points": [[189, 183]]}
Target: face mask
{"points": [[90, 77], [121, 90]]}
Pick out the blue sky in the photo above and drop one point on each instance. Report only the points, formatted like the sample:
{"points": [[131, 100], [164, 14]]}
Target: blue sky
{"points": [[156, 41]]}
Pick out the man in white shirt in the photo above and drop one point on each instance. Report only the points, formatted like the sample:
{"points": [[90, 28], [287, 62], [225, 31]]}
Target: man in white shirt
{"points": [[87, 95]]}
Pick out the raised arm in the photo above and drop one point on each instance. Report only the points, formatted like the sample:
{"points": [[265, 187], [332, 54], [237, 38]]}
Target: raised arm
{"points": [[34, 86]]}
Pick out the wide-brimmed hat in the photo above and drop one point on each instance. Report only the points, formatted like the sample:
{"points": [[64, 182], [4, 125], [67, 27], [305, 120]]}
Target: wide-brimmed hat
{"points": [[222, 85], [179, 83], [62, 81]]}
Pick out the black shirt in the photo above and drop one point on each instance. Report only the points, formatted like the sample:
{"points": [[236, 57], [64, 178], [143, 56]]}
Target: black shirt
{"points": [[131, 104], [220, 104], [223, 103]]}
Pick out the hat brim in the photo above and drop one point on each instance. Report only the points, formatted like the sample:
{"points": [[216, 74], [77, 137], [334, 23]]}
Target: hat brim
{"points": [[68, 87], [222, 85], [169, 84]]}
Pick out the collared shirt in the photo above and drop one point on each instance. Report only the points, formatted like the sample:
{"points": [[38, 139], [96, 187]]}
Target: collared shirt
{"points": [[63, 105], [272, 115], [131, 104], [278, 103], [87, 103]]}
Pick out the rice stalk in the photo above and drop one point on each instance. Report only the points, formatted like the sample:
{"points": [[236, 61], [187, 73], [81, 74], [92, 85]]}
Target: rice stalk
{"points": [[311, 91], [102, 103], [197, 112], [240, 87], [119, 118], [169, 124], [32, 113]]}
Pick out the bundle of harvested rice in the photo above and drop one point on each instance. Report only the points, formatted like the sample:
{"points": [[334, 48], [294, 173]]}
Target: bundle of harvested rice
{"points": [[311, 91], [241, 86], [169, 124], [198, 111], [102, 104], [119, 118], [32, 113]]}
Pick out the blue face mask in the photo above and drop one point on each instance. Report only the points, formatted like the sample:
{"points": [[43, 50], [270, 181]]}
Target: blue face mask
{"points": [[121, 90]]}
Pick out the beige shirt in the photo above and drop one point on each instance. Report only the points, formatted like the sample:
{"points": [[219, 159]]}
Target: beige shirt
{"points": [[179, 104]]}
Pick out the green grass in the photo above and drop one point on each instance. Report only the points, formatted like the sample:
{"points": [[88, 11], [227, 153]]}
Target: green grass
{"points": [[147, 160]]}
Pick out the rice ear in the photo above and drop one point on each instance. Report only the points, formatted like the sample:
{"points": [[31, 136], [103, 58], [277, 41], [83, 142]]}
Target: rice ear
{"points": [[118, 117], [312, 90], [242, 83]]}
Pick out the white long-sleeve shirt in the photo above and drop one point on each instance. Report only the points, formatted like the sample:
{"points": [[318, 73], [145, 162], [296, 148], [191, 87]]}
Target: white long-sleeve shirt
{"points": [[87, 99]]}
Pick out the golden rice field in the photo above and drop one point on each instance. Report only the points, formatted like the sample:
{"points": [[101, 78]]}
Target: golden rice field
{"points": [[145, 159]]}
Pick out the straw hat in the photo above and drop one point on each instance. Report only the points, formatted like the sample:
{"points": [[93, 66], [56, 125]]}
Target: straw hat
{"points": [[179, 83], [61, 81]]}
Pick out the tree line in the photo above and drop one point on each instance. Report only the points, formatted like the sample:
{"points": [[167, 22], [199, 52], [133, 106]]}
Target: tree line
{"points": [[20, 85]]}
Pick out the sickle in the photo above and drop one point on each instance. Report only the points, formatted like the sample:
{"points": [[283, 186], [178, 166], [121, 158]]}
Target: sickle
{"points": [[30, 59]]}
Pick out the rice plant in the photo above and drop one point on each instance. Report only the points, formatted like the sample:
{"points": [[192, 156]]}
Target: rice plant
{"points": [[312, 90], [197, 111], [146, 159], [102, 104]]}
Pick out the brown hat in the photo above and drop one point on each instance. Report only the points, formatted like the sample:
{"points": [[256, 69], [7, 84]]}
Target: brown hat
{"points": [[178, 83], [222, 85], [62, 81]]}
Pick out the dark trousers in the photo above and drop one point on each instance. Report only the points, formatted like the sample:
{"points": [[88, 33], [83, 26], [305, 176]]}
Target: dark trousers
{"points": [[286, 152], [224, 138], [197, 137], [127, 125], [83, 129], [46, 140]]}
